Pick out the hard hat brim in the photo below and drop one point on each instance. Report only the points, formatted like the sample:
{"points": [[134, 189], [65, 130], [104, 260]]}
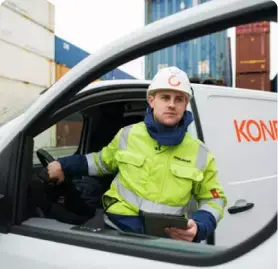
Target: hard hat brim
{"points": [[153, 91]]}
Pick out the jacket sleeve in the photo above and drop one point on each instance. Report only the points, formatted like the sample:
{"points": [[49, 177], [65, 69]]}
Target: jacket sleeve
{"points": [[103, 162], [209, 193], [211, 200], [92, 164]]}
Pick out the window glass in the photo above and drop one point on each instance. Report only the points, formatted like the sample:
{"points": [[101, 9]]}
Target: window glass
{"points": [[61, 139]]}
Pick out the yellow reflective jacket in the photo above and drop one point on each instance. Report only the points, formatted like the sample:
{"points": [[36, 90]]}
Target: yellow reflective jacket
{"points": [[159, 179]]}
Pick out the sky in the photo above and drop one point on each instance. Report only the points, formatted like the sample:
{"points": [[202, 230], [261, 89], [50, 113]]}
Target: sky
{"points": [[92, 24]]}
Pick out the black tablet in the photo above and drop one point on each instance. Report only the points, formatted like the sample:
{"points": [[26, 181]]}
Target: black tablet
{"points": [[155, 224]]}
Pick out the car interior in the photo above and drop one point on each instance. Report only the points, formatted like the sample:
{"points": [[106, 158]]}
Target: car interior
{"points": [[76, 203], [78, 199]]}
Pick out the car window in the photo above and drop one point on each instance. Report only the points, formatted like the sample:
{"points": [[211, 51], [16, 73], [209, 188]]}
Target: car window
{"points": [[61, 139]]}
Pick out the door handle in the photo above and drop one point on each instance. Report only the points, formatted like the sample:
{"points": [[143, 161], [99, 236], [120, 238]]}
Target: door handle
{"points": [[240, 206]]}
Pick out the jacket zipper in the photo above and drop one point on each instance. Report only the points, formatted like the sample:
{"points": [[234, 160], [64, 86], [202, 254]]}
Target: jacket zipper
{"points": [[166, 174]]}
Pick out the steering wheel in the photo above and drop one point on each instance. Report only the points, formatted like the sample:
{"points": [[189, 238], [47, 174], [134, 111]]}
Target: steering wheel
{"points": [[52, 189], [44, 157], [61, 210]]}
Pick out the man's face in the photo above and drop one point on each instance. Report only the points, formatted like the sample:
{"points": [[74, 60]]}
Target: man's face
{"points": [[168, 106]]}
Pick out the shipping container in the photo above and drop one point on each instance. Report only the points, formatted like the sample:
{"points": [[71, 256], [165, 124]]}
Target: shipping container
{"points": [[116, 74], [39, 11], [273, 48], [274, 84], [15, 94], [253, 53], [251, 28], [26, 34], [69, 133], [229, 71], [61, 70], [203, 58], [68, 54], [255, 81], [19, 64]]}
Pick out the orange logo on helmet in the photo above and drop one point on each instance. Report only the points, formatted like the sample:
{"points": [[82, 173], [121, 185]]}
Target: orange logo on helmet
{"points": [[175, 83]]}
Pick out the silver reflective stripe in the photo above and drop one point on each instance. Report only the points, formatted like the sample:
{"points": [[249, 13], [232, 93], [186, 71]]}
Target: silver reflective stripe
{"points": [[124, 137], [202, 156], [92, 166], [147, 205], [110, 223], [132, 198], [212, 210], [101, 164], [217, 201]]}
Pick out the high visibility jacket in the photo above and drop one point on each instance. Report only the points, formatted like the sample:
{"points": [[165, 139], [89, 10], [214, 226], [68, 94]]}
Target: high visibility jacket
{"points": [[154, 178]]}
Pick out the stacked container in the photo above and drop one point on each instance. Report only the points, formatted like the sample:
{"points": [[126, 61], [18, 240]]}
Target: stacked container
{"points": [[253, 56], [26, 53], [67, 55], [204, 58]]}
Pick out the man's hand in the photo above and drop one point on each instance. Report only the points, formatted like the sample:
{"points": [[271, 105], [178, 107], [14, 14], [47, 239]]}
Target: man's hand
{"points": [[55, 172], [186, 234]]}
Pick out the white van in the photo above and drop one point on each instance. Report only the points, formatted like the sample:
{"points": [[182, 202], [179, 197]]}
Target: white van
{"points": [[238, 125]]}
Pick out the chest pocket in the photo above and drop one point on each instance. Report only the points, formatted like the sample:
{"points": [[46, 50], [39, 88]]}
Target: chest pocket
{"points": [[131, 167], [130, 158], [188, 173], [185, 181]]}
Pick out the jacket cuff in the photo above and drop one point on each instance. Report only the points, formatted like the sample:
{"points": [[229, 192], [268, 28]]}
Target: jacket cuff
{"points": [[206, 224], [74, 165]]}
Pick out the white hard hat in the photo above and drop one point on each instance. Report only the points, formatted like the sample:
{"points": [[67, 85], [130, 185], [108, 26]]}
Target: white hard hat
{"points": [[170, 78]]}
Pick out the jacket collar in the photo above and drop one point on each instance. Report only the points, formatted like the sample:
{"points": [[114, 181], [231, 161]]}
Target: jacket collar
{"points": [[167, 136]]}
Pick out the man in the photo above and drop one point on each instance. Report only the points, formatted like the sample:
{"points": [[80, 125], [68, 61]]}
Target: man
{"points": [[159, 165]]}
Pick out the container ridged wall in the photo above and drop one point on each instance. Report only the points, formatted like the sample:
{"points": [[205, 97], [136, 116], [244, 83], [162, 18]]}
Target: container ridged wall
{"points": [[202, 58], [253, 56], [67, 55], [27, 57]]}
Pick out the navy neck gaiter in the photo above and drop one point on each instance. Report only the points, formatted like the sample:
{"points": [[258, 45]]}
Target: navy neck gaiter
{"points": [[167, 136]]}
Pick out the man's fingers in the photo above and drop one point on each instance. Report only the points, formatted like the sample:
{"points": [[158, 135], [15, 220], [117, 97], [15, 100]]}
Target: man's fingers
{"points": [[176, 236], [190, 224], [183, 231], [180, 234]]}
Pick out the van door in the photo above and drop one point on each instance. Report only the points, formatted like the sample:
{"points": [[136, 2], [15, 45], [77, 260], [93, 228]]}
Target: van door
{"points": [[240, 129]]}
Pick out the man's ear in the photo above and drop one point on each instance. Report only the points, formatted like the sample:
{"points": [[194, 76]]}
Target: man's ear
{"points": [[151, 101]]}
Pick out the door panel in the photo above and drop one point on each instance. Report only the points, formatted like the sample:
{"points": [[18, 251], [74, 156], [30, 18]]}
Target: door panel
{"points": [[239, 130]]}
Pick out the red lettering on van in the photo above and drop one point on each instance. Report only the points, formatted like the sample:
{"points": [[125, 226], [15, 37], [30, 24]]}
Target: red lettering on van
{"points": [[256, 131], [274, 122], [239, 130], [271, 132]]}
